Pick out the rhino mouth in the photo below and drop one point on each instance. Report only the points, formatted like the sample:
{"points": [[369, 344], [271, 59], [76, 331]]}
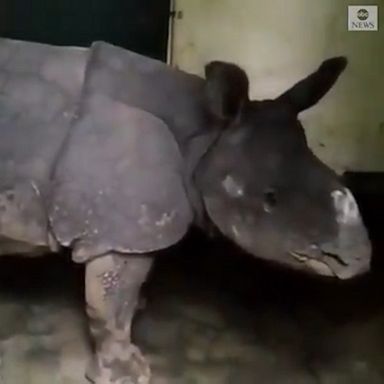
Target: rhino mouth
{"points": [[323, 263]]}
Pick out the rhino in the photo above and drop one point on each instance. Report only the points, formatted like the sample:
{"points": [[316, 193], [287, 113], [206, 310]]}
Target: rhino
{"points": [[115, 156]]}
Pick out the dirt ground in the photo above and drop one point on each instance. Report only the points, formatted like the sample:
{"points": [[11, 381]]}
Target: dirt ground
{"points": [[210, 315]]}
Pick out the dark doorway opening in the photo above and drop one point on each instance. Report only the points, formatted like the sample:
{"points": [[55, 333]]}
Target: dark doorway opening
{"points": [[141, 26]]}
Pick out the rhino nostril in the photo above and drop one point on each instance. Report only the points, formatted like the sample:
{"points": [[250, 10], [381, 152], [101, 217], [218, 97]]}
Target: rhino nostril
{"points": [[334, 256]]}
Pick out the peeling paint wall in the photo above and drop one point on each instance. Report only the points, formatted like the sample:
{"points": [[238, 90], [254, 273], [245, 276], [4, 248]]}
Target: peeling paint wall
{"points": [[278, 42]]}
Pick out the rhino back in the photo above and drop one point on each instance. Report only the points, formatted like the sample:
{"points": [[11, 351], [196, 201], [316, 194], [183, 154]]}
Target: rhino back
{"points": [[119, 184], [38, 88], [148, 84]]}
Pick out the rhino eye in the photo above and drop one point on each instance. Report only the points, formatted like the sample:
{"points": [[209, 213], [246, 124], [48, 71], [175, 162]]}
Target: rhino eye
{"points": [[270, 200]]}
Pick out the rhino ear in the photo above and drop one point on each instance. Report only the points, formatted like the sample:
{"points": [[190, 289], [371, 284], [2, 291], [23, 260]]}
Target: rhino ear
{"points": [[310, 90], [226, 90]]}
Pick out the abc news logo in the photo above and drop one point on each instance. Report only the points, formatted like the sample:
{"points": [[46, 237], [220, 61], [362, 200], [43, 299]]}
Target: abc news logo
{"points": [[362, 18]]}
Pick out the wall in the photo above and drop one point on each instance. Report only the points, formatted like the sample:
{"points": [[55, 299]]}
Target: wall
{"points": [[278, 42]]}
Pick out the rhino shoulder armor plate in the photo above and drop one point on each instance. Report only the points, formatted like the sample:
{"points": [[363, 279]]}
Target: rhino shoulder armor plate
{"points": [[119, 183]]}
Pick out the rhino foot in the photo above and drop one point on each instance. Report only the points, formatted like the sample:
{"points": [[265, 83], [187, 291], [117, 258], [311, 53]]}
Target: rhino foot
{"points": [[113, 285], [121, 365]]}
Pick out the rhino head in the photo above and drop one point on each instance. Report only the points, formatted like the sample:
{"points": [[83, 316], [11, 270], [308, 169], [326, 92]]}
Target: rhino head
{"points": [[263, 187]]}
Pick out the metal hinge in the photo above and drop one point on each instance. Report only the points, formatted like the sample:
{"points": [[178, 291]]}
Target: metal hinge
{"points": [[176, 15]]}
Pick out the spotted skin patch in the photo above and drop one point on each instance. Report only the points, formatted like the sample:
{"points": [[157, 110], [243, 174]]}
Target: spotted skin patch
{"points": [[347, 210], [110, 281], [232, 187]]}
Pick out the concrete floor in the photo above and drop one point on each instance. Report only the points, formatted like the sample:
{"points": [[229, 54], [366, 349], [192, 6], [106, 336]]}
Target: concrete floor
{"points": [[242, 323], [211, 316]]}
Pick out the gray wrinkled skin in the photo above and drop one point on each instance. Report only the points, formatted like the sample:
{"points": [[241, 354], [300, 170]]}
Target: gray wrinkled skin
{"points": [[38, 88], [123, 160], [104, 150], [57, 185], [115, 155], [138, 174]]}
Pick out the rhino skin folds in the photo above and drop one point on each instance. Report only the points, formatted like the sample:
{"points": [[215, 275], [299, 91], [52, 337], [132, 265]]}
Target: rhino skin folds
{"points": [[81, 165], [39, 86]]}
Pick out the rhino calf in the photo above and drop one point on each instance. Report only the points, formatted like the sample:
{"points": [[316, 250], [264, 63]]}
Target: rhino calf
{"points": [[116, 155]]}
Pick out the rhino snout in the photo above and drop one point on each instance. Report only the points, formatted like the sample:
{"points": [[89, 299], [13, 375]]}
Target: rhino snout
{"points": [[349, 253]]}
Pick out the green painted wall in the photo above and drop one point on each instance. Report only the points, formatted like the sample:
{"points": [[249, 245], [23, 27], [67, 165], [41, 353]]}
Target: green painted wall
{"points": [[281, 41]]}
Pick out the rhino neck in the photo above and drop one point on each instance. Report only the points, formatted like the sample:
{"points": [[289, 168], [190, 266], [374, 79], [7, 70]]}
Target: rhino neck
{"points": [[176, 98], [193, 151]]}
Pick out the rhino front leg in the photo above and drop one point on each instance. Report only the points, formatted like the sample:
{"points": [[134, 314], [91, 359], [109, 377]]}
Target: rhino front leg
{"points": [[113, 285]]}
